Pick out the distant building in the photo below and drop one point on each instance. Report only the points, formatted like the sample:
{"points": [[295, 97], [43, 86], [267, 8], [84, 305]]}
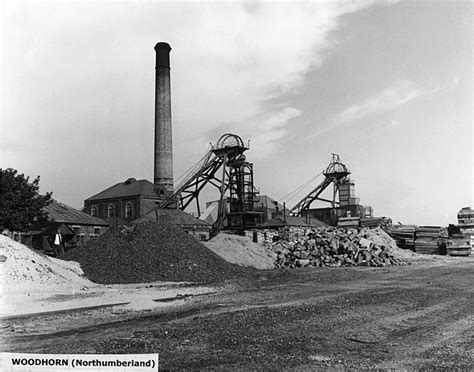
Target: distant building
{"points": [[265, 206], [331, 215], [466, 223], [272, 214], [348, 206], [124, 202], [76, 228], [268, 207], [279, 221], [135, 201]]}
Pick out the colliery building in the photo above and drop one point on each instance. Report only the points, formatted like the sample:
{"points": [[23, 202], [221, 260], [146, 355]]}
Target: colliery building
{"points": [[138, 200], [225, 167], [75, 227], [131, 199], [124, 202]]}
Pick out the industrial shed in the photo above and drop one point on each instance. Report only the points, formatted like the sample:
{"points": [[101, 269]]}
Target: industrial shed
{"points": [[41, 236], [290, 221], [76, 228]]}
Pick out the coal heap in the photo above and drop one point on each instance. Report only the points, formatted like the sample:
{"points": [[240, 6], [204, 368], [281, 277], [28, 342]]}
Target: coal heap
{"points": [[148, 252]]}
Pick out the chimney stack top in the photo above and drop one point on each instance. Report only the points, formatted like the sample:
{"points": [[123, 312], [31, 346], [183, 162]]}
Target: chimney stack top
{"points": [[162, 54], [162, 45]]}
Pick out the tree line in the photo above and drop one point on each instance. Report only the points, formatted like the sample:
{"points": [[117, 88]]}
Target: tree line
{"points": [[21, 204]]}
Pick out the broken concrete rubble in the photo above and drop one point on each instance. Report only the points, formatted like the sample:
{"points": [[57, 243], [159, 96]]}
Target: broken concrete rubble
{"points": [[334, 247]]}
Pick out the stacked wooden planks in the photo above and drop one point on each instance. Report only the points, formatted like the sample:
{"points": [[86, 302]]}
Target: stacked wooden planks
{"points": [[382, 222], [458, 246], [404, 235], [348, 222], [430, 239]]}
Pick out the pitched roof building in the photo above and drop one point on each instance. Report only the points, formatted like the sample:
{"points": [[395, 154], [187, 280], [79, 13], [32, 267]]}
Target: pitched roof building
{"points": [[74, 226], [123, 202], [59, 212]]}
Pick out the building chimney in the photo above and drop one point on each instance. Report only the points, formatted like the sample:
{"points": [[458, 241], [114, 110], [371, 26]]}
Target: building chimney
{"points": [[163, 161]]}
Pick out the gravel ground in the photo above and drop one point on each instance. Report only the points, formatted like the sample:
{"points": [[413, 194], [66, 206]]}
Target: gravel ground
{"points": [[417, 316]]}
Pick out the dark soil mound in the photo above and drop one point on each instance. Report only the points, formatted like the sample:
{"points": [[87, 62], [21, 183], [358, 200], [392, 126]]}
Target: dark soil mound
{"points": [[148, 252]]}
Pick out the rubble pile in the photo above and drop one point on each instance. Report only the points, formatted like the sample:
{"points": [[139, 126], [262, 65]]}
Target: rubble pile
{"points": [[334, 247], [404, 236], [148, 252]]}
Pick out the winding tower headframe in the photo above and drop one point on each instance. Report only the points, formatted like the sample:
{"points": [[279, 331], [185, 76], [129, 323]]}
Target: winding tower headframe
{"points": [[236, 178], [336, 174]]}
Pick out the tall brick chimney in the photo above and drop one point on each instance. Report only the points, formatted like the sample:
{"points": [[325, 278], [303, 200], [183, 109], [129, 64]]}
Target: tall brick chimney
{"points": [[163, 178]]}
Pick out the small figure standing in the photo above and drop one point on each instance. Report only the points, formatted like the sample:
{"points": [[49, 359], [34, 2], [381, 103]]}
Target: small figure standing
{"points": [[58, 244]]}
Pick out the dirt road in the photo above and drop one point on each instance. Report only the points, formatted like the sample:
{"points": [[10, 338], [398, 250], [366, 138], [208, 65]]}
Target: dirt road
{"points": [[414, 316]]}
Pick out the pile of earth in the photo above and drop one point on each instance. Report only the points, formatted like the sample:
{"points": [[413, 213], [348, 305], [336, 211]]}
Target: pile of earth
{"points": [[148, 252], [241, 250], [380, 238], [23, 270]]}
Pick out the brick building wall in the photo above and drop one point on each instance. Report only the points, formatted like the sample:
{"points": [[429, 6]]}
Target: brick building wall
{"points": [[126, 209]]}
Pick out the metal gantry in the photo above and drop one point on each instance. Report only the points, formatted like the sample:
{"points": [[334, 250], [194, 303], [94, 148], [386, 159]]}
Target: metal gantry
{"points": [[236, 177], [243, 194], [336, 173]]}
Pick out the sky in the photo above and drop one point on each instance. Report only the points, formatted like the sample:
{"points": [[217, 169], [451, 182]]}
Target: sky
{"points": [[387, 85]]}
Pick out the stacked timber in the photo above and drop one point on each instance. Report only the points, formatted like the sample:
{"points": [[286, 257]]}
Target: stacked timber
{"points": [[404, 235], [334, 247], [430, 239], [458, 246], [383, 222], [348, 222]]}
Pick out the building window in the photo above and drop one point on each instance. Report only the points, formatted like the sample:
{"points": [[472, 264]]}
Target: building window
{"points": [[80, 239], [94, 211], [95, 232], [129, 210], [111, 211]]}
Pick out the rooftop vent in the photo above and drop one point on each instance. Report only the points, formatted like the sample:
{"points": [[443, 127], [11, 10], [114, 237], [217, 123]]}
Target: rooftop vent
{"points": [[129, 181]]}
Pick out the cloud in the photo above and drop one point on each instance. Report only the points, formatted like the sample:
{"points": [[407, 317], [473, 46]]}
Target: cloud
{"points": [[397, 94], [377, 128], [243, 58], [228, 59], [268, 132], [85, 71]]}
